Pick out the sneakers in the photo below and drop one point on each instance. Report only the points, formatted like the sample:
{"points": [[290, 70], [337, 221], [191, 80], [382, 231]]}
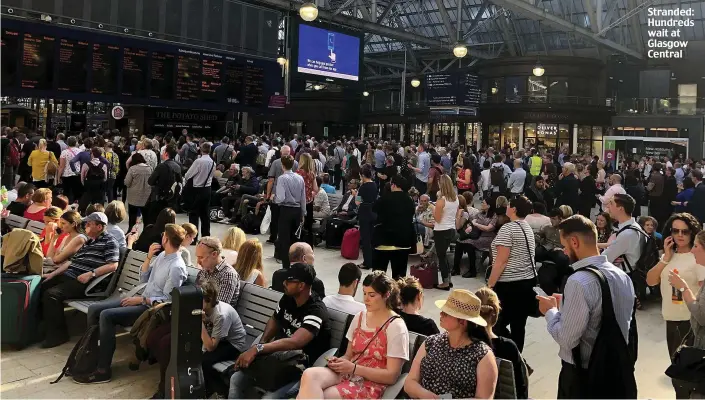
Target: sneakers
{"points": [[95, 377]]}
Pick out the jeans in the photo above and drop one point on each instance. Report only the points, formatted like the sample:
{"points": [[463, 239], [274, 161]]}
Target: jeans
{"points": [[73, 189], [228, 203], [460, 249], [54, 292], [214, 382], [201, 210], [240, 382], [107, 314], [398, 258], [367, 220], [337, 176], [245, 201], [517, 299], [442, 240]]}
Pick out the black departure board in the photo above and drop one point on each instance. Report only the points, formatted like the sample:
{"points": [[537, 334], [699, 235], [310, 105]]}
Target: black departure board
{"points": [[469, 85], [10, 52], [188, 78], [234, 80], [211, 79], [253, 85], [134, 72], [105, 66], [37, 61], [453, 89], [72, 68], [161, 85]]}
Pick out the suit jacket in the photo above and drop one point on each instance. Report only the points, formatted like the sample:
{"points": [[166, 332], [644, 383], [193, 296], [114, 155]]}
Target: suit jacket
{"points": [[695, 205], [352, 208], [588, 190], [567, 192]]}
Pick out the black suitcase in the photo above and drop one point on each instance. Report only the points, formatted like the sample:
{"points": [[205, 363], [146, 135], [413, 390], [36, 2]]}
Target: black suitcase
{"points": [[335, 229], [20, 299]]}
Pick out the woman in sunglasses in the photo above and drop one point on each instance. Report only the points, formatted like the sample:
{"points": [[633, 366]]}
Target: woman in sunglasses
{"points": [[679, 233]]}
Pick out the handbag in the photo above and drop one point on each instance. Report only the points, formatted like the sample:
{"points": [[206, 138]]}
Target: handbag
{"points": [[474, 233], [271, 372], [419, 245], [266, 221], [688, 365]]}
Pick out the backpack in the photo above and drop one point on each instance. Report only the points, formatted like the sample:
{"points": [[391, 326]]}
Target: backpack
{"points": [[191, 152], [649, 254], [95, 173], [14, 154], [227, 155], [497, 178], [610, 372], [84, 356], [250, 224]]}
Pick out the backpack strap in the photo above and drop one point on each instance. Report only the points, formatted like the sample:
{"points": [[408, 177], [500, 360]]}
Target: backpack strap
{"points": [[638, 230]]}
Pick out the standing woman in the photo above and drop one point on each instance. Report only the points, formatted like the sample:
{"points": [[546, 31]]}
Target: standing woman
{"points": [[307, 170], [93, 176], [365, 200], [513, 275], [444, 230], [138, 189], [603, 222], [41, 160], [588, 191], [70, 181], [394, 234], [681, 230], [465, 181]]}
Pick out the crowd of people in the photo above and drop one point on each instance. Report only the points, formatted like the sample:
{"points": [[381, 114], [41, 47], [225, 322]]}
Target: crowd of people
{"points": [[559, 231]]}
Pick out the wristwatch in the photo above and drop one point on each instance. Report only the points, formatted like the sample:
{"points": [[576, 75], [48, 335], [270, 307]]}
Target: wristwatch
{"points": [[259, 347], [681, 290], [93, 274]]}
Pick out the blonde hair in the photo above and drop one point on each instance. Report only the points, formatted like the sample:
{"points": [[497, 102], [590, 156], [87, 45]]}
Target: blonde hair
{"points": [[501, 202], [249, 258], [115, 211], [306, 163], [53, 213], [234, 238], [190, 229], [447, 189], [42, 144], [567, 211], [490, 308], [41, 195]]}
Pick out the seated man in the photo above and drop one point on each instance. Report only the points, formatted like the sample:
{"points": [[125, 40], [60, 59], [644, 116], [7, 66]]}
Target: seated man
{"points": [[299, 252], [248, 185], [98, 256], [326, 184], [223, 337], [347, 209], [349, 278], [25, 191], [423, 219], [162, 274], [300, 323]]}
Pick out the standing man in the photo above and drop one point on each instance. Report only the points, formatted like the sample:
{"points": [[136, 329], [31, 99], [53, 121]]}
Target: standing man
{"points": [[422, 169], [695, 205], [275, 171], [515, 185], [338, 155], [290, 197], [576, 326], [162, 180], [202, 173]]}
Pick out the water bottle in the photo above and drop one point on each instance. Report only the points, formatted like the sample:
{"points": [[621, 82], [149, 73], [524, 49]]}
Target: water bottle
{"points": [[676, 295], [3, 196]]}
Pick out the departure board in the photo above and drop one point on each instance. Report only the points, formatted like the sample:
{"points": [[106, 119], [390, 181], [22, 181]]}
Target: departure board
{"points": [[234, 78], [161, 85], [188, 77], [72, 68], [211, 79], [38, 61], [10, 52], [254, 90], [105, 66], [134, 72]]}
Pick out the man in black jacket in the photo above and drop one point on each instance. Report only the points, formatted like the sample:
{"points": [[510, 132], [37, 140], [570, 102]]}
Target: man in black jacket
{"points": [[695, 205], [162, 180], [249, 184], [248, 153], [567, 188]]}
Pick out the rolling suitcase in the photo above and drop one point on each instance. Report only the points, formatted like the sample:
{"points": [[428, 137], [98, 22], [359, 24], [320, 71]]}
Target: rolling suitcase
{"points": [[20, 298], [335, 229], [350, 249]]}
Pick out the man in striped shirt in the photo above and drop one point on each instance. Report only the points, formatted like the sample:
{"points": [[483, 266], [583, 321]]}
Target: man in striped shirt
{"points": [[98, 256], [577, 324]]}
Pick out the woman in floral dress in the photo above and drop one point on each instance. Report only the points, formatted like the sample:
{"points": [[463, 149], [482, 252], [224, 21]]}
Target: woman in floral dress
{"points": [[377, 349]]}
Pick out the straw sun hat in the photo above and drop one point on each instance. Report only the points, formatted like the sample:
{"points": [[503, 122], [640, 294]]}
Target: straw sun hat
{"points": [[462, 304]]}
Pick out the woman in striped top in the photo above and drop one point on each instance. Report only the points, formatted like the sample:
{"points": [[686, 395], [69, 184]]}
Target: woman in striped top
{"points": [[513, 273]]}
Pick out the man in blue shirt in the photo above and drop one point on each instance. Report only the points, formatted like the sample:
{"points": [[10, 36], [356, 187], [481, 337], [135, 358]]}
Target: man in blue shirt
{"points": [[421, 169], [161, 274], [326, 184]]}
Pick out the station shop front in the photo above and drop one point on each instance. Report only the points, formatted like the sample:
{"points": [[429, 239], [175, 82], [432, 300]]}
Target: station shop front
{"points": [[439, 133]]}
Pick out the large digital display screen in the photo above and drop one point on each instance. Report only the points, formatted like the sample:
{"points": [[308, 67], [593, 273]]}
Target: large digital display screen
{"points": [[453, 89], [328, 53], [53, 61]]}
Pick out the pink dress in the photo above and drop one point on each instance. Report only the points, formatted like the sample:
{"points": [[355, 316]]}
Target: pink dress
{"points": [[375, 356]]}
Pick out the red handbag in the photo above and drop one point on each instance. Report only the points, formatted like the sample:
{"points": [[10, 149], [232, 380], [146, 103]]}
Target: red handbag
{"points": [[427, 274]]}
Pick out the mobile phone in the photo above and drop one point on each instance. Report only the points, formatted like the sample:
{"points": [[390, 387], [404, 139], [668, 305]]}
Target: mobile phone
{"points": [[540, 291]]}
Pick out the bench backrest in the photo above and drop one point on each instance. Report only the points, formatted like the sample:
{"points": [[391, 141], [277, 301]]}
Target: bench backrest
{"points": [[506, 387], [130, 273], [339, 324], [15, 221], [35, 226], [415, 342], [192, 275], [255, 306], [334, 200]]}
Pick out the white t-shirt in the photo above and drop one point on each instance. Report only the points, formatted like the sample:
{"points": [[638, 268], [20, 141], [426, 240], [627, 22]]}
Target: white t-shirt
{"points": [[345, 303], [448, 217], [397, 335], [537, 222], [692, 273]]}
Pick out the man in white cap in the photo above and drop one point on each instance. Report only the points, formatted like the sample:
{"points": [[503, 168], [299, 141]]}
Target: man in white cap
{"points": [[98, 256]]}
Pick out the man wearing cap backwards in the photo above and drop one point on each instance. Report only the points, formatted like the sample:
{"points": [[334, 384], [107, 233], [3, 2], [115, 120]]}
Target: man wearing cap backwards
{"points": [[299, 323], [162, 274], [98, 256]]}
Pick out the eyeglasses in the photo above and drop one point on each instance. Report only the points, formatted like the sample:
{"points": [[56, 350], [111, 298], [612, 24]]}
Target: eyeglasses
{"points": [[208, 245], [683, 232]]}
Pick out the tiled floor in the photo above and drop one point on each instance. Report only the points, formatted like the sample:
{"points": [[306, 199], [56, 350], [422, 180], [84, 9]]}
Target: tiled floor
{"points": [[27, 373]]}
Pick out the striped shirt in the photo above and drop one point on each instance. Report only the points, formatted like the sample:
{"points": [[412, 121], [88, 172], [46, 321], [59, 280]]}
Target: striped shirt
{"points": [[227, 280], [578, 321], [94, 254], [519, 264]]}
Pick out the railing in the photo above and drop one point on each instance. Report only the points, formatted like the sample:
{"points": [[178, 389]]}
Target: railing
{"points": [[685, 105], [565, 100]]}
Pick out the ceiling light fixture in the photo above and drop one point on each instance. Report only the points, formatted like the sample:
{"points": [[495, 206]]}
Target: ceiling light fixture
{"points": [[538, 70], [460, 50], [365, 93], [281, 60], [415, 82], [308, 12]]}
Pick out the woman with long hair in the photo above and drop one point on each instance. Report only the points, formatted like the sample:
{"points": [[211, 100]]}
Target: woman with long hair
{"points": [[249, 263], [465, 177], [138, 188], [680, 232], [444, 230], [307, 170], [484, 222], [49, 234], [191, 234], [464, 345], [152, 233], [604, 223], [365, 201], [44, 165], [368, 366], [70, 225], [233, 240], [352, 170], [70, 181]]}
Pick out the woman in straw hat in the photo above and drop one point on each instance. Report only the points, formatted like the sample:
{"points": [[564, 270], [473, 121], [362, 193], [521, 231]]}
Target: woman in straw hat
{"points": [[465, 345]]}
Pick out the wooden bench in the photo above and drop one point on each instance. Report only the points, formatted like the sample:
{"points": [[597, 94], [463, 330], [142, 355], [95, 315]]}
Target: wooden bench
{"points": [[15, 221]]}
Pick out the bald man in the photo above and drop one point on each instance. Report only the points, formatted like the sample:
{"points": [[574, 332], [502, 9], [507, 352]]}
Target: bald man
{"points": [[275, 171], [299, 252]]}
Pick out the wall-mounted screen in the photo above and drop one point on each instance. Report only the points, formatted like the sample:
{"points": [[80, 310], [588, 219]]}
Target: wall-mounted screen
{"points": [[328, 53]]}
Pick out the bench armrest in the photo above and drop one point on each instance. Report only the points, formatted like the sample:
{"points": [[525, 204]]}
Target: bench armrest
{"points": [[392, 392], [95, 283], [135, 290], [321, 361]]}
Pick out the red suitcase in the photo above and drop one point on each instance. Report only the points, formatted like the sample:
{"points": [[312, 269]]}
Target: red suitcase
{"points": [[350, 248], [426, 273]]}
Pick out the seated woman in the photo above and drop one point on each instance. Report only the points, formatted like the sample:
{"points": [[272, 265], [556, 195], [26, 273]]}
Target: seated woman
{"points": [[321, 206], [485, 222], [465, 346], [152, 233], [234, 238], [411, 296], [191, 233], [49, 234], [368, 365], [249, 263], [41, 200], [70, 224], [503, 347]]}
